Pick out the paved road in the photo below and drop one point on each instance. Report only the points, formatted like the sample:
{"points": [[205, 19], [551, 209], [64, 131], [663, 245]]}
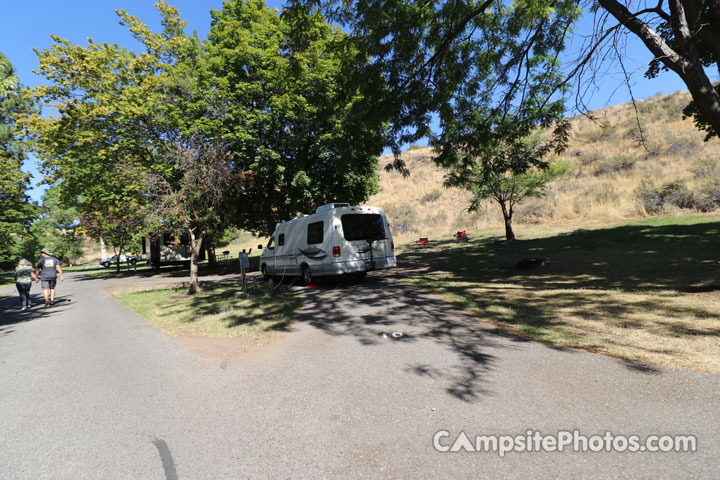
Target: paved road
{"points": [[88, 390]]}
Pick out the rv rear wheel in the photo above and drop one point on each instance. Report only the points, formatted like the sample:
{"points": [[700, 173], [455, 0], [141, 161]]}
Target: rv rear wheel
{"points": [[307, 275]]}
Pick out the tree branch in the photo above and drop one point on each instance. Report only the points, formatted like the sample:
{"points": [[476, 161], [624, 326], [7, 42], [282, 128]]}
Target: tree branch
{"points": [[448, 40]]}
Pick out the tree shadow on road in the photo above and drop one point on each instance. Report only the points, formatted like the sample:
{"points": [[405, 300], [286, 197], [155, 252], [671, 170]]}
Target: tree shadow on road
{"points": [[621, 290], [373, 310], [11, 315]]}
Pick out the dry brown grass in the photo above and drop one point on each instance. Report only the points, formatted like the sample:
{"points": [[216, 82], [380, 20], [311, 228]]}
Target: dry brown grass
{"points": [[608, 165], [646, 291]]}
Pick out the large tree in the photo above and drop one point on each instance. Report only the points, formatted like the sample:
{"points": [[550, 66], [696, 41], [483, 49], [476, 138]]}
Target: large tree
{"points": [[299, 124], [115, 215], [16, 209], [255, 125], [682, 35], [119, 141], [472, 65]]}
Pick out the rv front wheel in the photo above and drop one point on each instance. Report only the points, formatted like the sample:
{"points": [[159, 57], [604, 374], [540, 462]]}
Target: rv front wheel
{"points": [[263, 271], [307, 275]]}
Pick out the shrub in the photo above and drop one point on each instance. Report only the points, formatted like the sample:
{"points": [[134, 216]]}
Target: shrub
{"points": [[433, 220], [653, 149], [683, 146], [709, 199], [676, 193], [606, 131], [617, 163], [431, 196], [533, 212], [405, 219], [604, 193], [706, 168], [650, 198], [647, 106], [589, 158]]}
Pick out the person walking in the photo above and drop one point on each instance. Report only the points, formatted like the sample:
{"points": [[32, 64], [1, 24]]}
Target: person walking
{"points": [[47, 270], [24, 276]]}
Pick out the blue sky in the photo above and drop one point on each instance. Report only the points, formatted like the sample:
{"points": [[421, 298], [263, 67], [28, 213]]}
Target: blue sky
{"points": [[26, 24]]}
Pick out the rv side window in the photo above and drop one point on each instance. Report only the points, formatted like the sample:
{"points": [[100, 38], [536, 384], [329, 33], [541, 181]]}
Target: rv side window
{"points": [[363, 226], [281, 240], [315, 233]]}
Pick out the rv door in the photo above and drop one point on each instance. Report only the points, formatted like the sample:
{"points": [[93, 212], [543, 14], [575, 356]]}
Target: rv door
{"points": [[268, 256]]}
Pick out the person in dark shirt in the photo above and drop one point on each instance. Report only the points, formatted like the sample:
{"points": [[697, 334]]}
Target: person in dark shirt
{"points": [[47, 270]]}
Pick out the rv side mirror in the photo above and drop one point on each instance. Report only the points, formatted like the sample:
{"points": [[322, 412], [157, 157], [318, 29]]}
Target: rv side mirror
{"points": [[259, 247]]}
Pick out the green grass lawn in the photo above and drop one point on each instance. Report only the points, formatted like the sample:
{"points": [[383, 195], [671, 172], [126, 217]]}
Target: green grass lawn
{"points": [[215, 312], [224, 267], [647, 290]]}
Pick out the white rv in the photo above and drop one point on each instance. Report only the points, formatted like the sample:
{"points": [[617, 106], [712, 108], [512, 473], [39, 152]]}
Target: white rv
{"points": [[337, 239]]}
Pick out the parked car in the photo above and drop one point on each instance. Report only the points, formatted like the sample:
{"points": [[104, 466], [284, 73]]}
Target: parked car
{"points": [[131, 259]]}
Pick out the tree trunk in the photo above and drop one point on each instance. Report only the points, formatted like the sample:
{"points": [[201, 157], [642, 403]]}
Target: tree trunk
{"points": [[507, 215], [210, 249], [117, 259], [103, 249], [194, 278]]}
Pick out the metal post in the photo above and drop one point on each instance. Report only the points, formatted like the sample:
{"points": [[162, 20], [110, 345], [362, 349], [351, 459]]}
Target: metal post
{"points": [[244, 265]]}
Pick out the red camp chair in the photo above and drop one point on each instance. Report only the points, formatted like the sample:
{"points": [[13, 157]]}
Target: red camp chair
{"points": [[461, 235], [423, 241]]}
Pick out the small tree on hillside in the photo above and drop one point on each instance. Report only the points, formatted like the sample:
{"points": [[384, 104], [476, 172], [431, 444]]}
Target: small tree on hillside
{"points": [[501, 173]]}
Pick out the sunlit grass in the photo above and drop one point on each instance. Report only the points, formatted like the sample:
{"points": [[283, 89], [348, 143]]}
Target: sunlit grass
{"points": [[645, 291], [215, 312]]}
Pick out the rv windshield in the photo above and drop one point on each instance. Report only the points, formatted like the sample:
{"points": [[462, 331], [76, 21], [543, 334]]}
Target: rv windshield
{"points": [[363, 226]]}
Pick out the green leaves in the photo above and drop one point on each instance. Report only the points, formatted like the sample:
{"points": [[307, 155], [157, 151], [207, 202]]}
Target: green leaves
{"points": [[263, 120], [16, 210], [507, 172], [295, 115], [472, 65]]}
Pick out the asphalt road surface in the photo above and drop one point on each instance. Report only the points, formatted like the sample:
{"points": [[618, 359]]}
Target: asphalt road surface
{"points": [[89, 390]]}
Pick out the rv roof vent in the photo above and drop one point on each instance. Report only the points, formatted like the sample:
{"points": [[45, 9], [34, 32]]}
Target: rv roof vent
{"points": [[330, 206]]}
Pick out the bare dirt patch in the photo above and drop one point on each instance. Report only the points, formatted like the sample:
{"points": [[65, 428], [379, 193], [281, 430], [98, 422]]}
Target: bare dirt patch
{"points": [[230, 348]]}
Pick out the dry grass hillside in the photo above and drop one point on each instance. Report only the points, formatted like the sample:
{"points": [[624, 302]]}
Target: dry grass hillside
{"points": [[608, 166]]}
